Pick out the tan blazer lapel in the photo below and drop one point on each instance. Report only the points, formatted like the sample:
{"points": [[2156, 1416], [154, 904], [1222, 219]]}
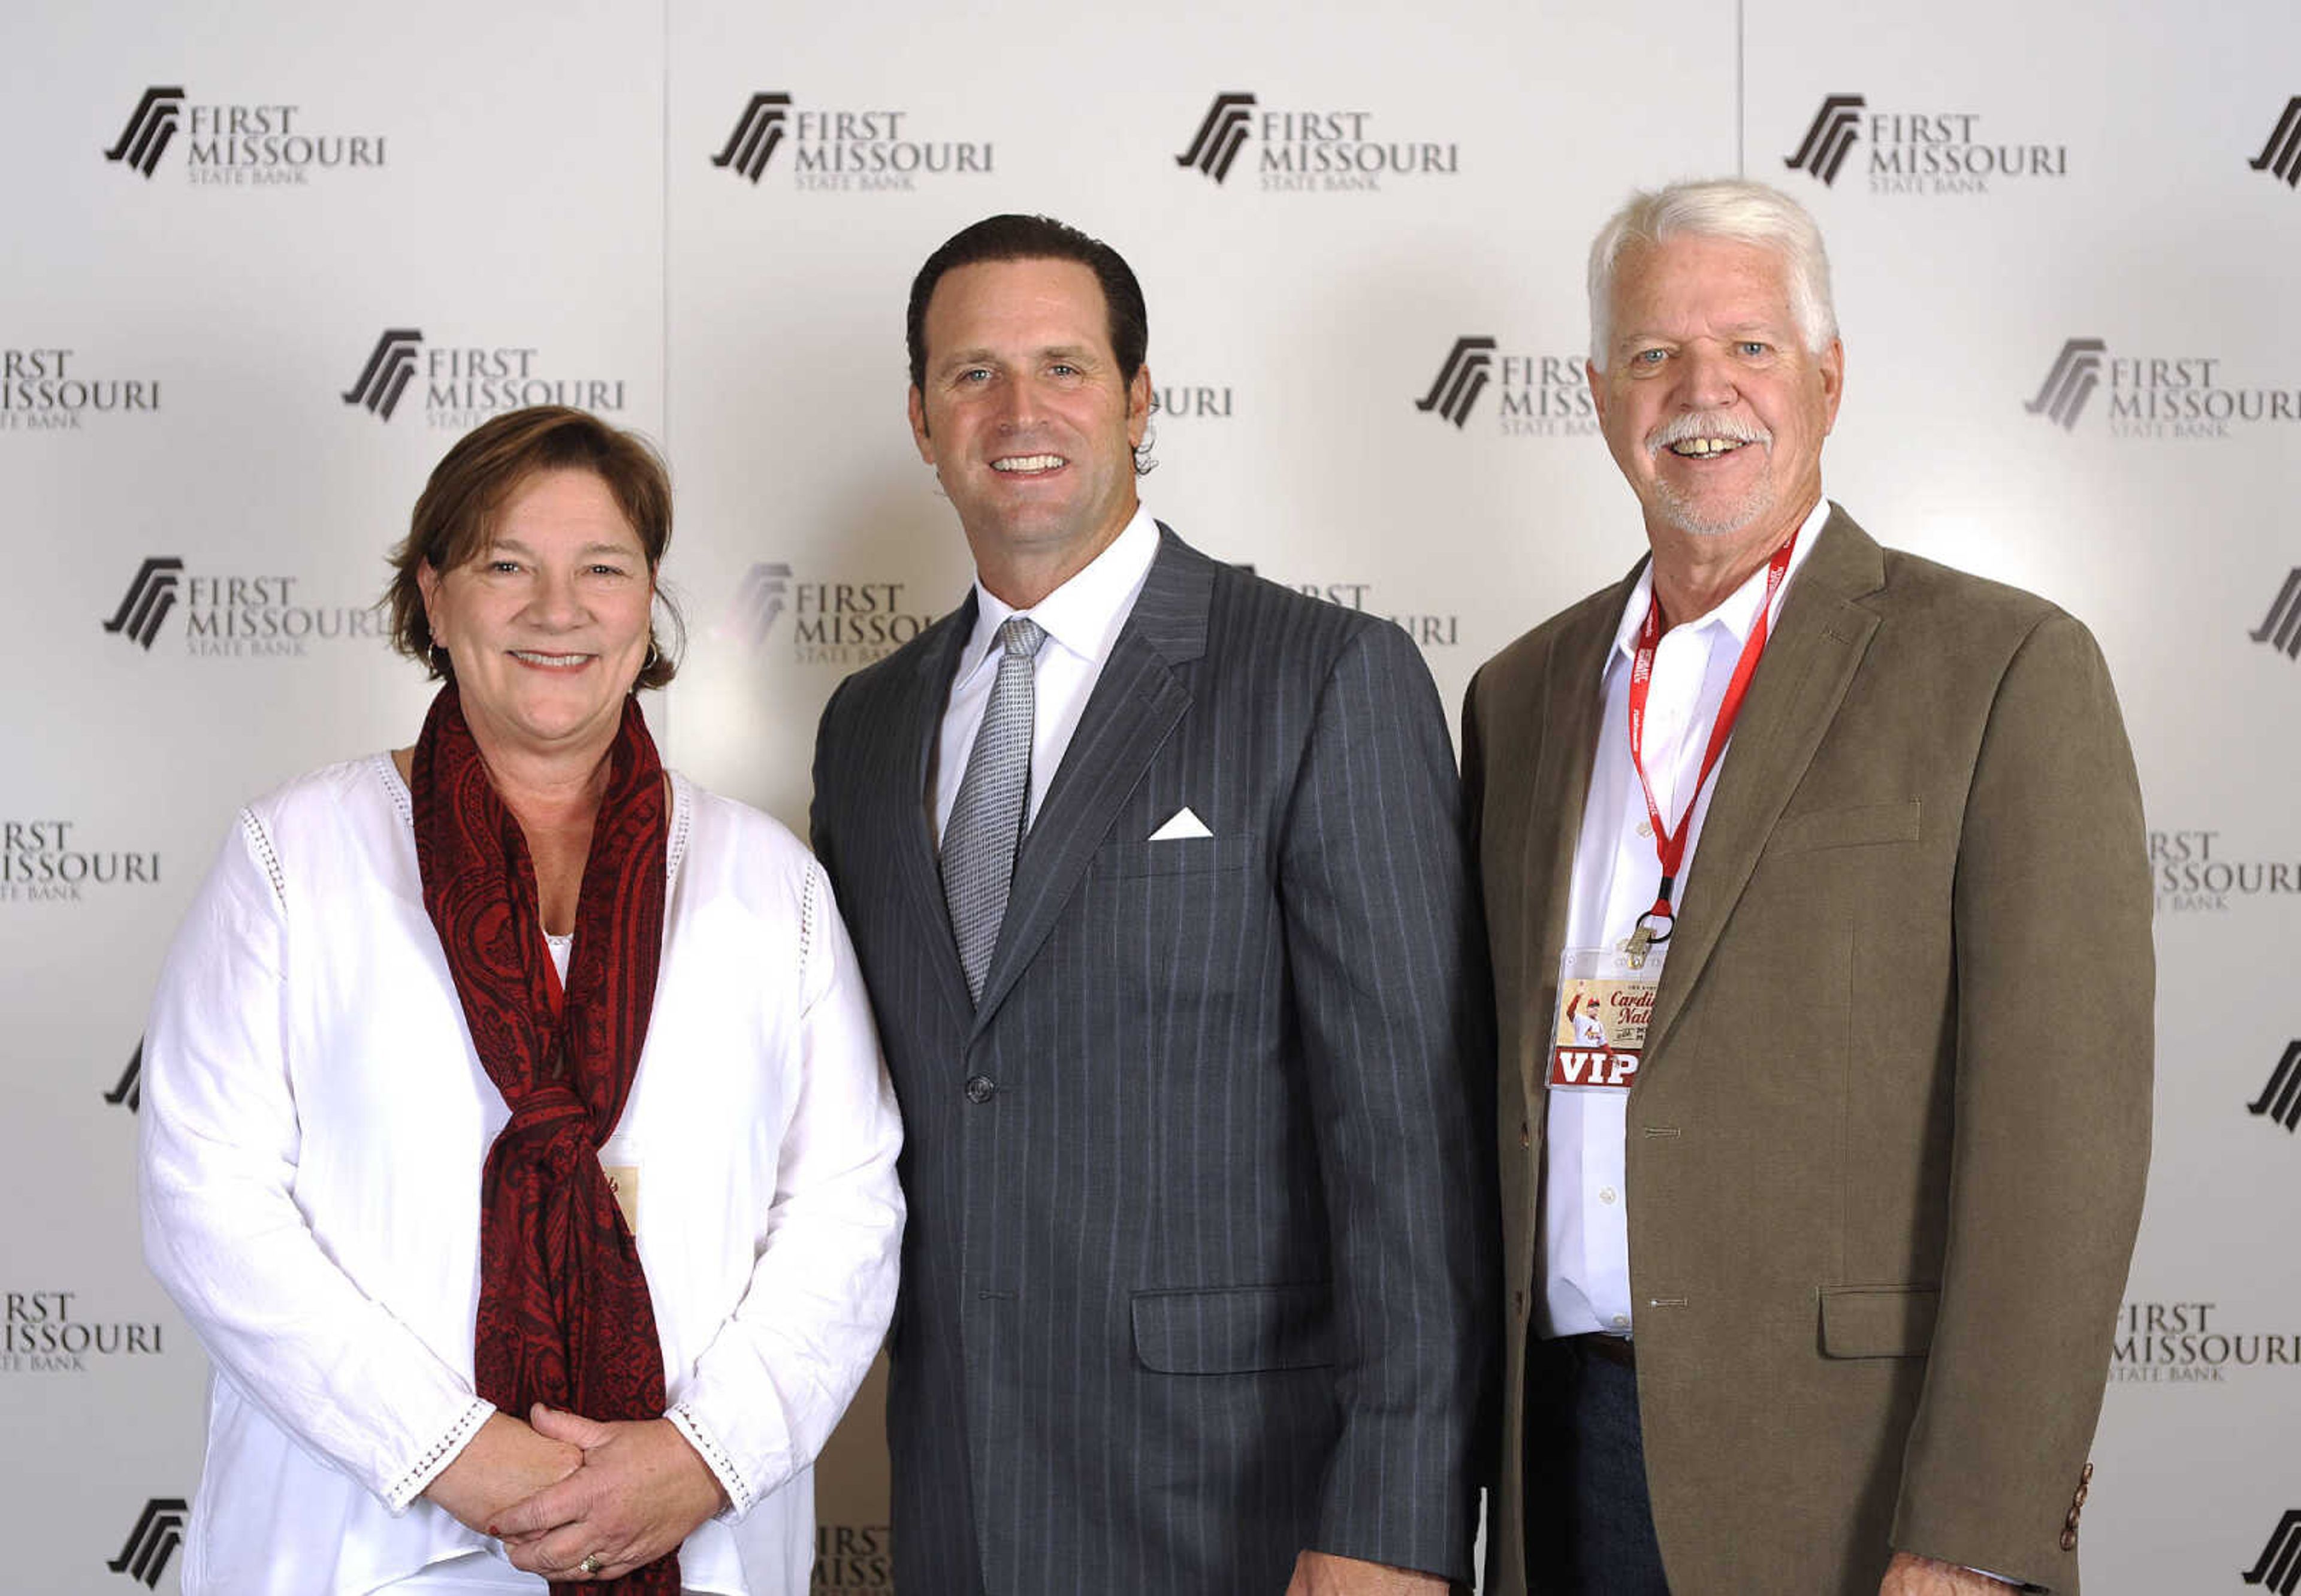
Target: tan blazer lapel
{"points": [[1810, 661], [1572, 706]]}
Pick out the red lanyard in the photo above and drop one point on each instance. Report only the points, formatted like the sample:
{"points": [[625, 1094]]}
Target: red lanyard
{"points": [[1670, 845]]}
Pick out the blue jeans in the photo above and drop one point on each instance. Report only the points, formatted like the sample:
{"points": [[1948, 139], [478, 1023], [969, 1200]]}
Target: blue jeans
{"points": [[1589, 1523]]}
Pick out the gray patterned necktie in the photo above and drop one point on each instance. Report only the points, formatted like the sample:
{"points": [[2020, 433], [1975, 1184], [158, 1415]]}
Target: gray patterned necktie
{"points": [[986, 818]]}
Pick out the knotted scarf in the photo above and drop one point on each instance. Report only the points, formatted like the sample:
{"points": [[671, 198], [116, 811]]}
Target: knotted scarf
{"points": [[564, 1316]]}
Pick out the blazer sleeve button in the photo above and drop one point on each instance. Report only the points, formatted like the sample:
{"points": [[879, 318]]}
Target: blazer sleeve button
{"points": [[981, 1088]]}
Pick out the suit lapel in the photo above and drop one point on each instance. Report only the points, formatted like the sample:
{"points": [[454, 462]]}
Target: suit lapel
{"points": [[1572, 706], [1810, 661], [1136, 701], [918, 721]]}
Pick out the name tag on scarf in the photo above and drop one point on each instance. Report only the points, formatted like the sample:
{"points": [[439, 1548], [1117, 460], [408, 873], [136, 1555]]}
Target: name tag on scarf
{"points": [[1604, 1002], [623, 1181]]}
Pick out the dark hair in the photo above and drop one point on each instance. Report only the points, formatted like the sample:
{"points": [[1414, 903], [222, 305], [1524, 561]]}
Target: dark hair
{"points": [[456, 516], [1014, 237]]}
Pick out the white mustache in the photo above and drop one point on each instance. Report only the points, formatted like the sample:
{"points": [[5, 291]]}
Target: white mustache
{"points": [[1701, 424]]}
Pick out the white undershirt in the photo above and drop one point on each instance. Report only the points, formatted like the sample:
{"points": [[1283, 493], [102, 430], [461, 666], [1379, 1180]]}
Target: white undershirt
{"points": [[1081, 619], [1586, 1242]]}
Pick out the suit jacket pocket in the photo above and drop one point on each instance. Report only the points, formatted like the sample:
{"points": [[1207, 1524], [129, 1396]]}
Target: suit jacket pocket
{"points": [[1176, 856], [1863, 824], [1878, 1321], [1234, 1330]]}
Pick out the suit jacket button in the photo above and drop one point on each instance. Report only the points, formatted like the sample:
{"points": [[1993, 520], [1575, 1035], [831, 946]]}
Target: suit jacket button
{"points": [[980, 1088], [1525, 1135]]}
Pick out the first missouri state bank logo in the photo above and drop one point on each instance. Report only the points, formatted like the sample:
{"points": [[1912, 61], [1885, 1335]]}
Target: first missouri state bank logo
{"points": [[2281, 1100], [1916, 152], [841, 150], [239, 143], [758, 600], [46, 388], [151, 595], [2279, 1566], [385, 376], [465, 383], [757, 132], [2184, 396], [845, 623], [159, 1531], [2076, 373], [1220, 135], [2281, 629], [233, 616], [128, 1092], [1542, 396], [1298, 150], [1461, 379], [151, 128], [1830, 139], [2280, 157]]}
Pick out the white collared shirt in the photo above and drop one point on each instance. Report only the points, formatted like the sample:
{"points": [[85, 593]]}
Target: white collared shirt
{"points": [[1081, 618], [1585, 1241]]}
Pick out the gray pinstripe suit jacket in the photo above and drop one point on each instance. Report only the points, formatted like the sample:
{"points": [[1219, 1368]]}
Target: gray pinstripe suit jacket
{"points": [[1200, 1269]]}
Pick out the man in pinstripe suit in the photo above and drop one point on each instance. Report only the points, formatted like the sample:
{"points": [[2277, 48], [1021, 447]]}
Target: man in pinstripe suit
{"points": [[1199, 1284]]}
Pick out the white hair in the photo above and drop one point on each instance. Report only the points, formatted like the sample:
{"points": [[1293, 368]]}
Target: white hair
{"points": [[1729, 208]]}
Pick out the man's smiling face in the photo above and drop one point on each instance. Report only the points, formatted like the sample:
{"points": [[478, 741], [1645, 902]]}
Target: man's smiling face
{"points": [[1713, 407], [1025, 416]]}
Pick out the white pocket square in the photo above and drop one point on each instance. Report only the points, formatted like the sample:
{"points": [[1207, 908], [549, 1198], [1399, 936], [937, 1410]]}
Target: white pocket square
{"points": [[1183, 825]]}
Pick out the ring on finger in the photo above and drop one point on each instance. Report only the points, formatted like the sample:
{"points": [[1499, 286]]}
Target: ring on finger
{"points": [[591, 1563]]}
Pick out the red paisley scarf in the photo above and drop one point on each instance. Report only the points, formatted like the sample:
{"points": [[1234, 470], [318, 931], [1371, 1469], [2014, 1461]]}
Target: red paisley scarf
{"points": [[565, 1314]]}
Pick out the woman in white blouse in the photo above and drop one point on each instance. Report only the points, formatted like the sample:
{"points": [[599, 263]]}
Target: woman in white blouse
{"points": [[514, 1132]]}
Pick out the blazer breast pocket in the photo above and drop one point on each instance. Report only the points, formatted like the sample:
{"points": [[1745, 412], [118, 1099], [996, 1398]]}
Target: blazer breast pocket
{"points": [[1878, 1321], [1176, 856], [1235, 1330], [1864, 826]]}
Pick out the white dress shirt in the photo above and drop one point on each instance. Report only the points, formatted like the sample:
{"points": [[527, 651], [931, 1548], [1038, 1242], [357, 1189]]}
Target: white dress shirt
{"points": [[1081, 619], [314, 1124], [1585, 1241]]}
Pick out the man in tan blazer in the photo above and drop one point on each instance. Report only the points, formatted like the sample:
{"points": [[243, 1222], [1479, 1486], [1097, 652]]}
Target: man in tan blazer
{"points": [[1812, 1264]]}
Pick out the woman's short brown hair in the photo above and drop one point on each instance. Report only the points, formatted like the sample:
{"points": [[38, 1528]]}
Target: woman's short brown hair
{"points": [[456, 516]]}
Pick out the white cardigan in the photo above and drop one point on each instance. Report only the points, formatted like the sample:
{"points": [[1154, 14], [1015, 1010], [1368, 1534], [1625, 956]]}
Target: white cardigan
{"points": [[314, 1124]]}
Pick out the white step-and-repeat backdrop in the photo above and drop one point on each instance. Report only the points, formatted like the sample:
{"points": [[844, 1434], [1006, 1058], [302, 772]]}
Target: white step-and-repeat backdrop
{"points": [[266, 261]]}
